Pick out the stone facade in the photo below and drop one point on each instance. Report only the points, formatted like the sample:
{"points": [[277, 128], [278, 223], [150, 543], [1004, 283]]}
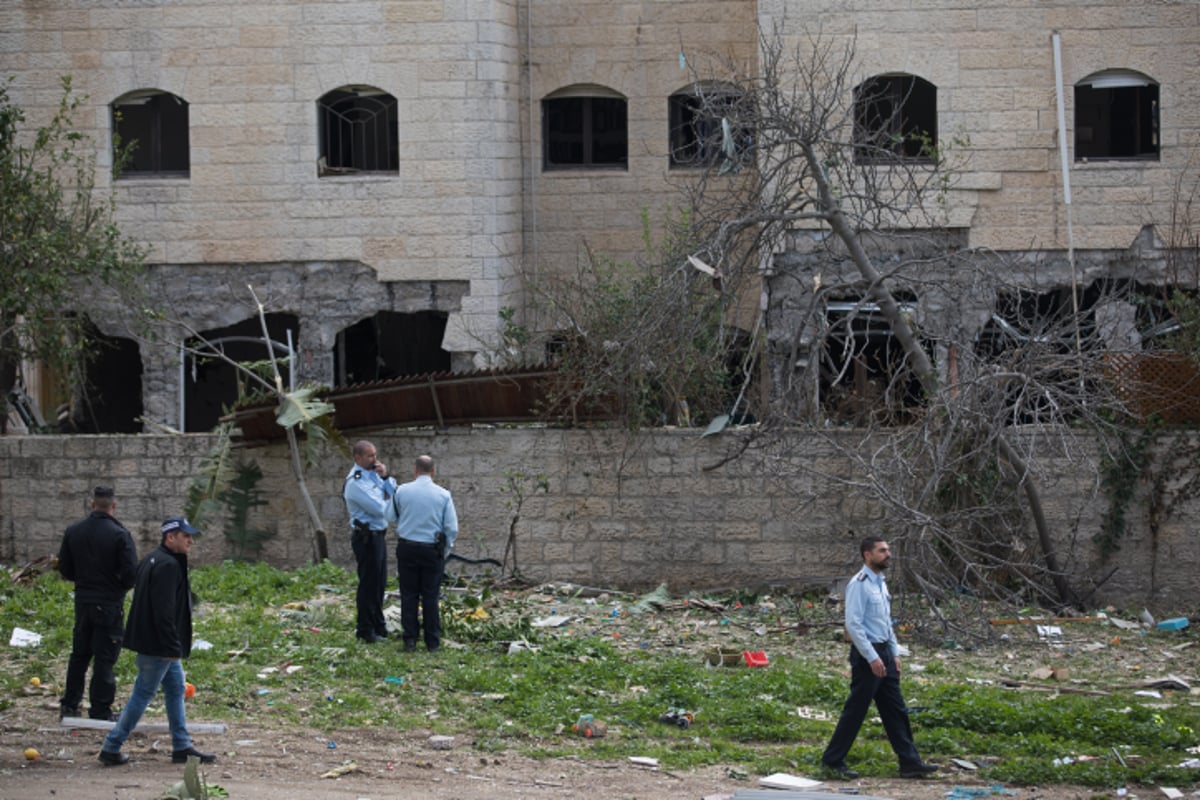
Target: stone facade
{"points": [[667, 506]]}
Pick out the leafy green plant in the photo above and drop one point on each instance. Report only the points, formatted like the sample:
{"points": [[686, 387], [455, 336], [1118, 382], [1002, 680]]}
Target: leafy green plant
{"points": [[241, 497]]}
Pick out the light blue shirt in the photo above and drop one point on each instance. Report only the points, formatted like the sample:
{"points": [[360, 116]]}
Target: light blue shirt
{"points": [[368, 497], [869, 613], [422, 509]]}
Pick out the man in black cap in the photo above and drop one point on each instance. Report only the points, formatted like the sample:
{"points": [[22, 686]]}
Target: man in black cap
{"points": [[98, 554], [160, 632]]}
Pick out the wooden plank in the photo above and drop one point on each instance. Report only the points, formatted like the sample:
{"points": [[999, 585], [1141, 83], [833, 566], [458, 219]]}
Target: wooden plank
{"points": [[142, 727]]}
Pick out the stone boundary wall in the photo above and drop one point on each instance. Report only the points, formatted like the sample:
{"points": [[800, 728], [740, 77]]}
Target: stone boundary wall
{"points": [[621, 511]]}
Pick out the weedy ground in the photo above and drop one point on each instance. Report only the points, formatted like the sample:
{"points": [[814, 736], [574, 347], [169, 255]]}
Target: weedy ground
{"points": [[512, 678]]}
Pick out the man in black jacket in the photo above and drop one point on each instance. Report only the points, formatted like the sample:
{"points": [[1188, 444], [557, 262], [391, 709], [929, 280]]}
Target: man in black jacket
{"points": [[98, 554], [160, 632]]}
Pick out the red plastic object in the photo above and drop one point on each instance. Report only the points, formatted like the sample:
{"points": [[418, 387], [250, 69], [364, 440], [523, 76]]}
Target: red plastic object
{"points": [[755, 659]]}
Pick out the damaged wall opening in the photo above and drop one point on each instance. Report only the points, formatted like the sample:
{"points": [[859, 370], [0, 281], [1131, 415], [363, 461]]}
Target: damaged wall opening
{"points": [[1116, 116], [863, 374], [210, 385], [391, 345], [111, 400]]}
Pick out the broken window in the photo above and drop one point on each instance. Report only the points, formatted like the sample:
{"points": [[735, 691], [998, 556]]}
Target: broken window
{"points": [[895, 116], [1116, 116], [391, 345], [358, 131], [584, 126], [706, 128], [210, 384], [154, 126], [864, 374]]}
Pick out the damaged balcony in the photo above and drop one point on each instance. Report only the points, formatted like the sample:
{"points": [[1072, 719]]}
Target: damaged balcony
{"points": [[440, 400]]}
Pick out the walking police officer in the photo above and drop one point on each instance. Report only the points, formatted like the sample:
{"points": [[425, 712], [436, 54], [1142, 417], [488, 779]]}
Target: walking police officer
{"points": [[874, 669], [98, 554], [368, 494], [427, 525]]}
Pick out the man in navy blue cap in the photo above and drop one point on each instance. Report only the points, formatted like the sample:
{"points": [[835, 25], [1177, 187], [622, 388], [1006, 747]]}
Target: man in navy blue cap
{"points": [[160, 632]]}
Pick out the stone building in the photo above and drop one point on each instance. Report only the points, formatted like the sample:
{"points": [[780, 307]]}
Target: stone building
{"points": [[383, 172]]}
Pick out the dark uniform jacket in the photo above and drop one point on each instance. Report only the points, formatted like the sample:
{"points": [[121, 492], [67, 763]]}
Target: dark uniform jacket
{"points": [[160, 616], [98, 554]]}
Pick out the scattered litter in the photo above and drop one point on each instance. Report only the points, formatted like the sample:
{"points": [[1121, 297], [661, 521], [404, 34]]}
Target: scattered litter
{"points": [[1049, 631], [644, 761], [1170, 793], [394, 680], [1147, 618], [724, 657], [971, 792], [262, 692], [804, 712], [550, 622], [1124, 625], [1191, 763], [781, 780], [902, 651], [1174, 624], [202, 644], [338, 772], [963, 763], [755, 658], [589, 727], [441, 742], [332, 745], [520, 646], [24, 638], [678, 716], [246, 742], [293, 669], [1149, 693]]}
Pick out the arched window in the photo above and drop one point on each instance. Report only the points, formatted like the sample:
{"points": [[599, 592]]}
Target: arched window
{"points": [[583, 127], [359, 131], [708, 126], [151, 128], [895, 117], [1116, 116]]}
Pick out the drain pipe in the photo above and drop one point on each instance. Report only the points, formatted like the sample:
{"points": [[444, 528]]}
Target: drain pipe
{"points": [[1066, 181]]}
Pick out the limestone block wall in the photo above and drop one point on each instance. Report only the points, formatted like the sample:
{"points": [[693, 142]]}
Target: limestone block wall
{"points": [[993, 67], [252, 73], [628, 512]]}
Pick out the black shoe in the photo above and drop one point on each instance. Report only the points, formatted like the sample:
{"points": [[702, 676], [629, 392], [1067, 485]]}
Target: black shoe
{"points": [[113, 759], [918, 770], [368, 638], [68, 711], [842, 771], [106, 717], [382, 635], [433, 648], [181, 756], [409, 646]]}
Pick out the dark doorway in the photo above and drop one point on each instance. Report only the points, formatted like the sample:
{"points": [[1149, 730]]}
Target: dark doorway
{"points": [[210, 385], [390, 345], [110, 397]]}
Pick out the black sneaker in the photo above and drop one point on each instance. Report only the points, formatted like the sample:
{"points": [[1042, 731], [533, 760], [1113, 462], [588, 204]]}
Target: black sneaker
{"points": [[68, 711], [181, 756], [918, 770], [113, 759], [368, 638]]}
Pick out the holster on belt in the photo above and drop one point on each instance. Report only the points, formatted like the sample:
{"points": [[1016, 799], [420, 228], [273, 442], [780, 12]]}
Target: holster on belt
{"points": [[439, 545]]}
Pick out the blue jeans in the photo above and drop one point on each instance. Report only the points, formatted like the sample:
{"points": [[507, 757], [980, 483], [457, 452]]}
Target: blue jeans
{"points": [[153, 671]]}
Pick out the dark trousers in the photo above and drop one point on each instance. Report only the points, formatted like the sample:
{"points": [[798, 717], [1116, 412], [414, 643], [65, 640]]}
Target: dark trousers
{"points": [[419, 570], [99, 629], [865, 687], [370, 551]]}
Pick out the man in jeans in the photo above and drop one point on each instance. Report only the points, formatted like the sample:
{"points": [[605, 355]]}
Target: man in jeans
{"points": [[160, 632], [98, 554]]}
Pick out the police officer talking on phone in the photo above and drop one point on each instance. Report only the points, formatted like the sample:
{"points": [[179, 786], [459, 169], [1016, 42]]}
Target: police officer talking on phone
{"points": [[368, 494]]}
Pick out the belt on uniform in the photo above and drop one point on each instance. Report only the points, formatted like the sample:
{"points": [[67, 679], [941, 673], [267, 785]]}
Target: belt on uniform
{"points": [[415, 542]]}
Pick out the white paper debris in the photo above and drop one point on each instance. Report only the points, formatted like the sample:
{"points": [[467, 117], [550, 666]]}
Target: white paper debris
{"points": [[781, 780], [24, 638]]}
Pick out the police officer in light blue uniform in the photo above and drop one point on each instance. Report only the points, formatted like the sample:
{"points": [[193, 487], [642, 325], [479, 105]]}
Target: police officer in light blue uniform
{"points": [[368, 492], [427, 525], [874, 669]]}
